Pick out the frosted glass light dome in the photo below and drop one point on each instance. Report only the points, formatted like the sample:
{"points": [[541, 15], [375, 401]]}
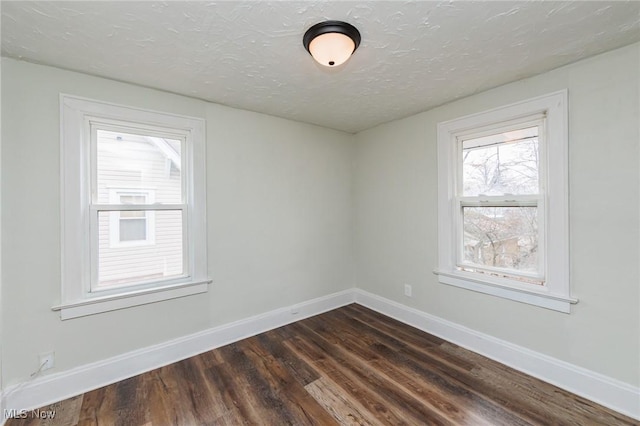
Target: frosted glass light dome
{"points": [[331, 43], [331, 49]]}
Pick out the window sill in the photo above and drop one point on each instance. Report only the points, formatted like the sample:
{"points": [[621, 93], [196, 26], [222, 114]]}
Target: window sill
{"points": [[97, 305], [536, 298]]}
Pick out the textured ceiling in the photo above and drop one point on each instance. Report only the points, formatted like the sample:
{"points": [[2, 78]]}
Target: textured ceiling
{"points": [[248, 54]]}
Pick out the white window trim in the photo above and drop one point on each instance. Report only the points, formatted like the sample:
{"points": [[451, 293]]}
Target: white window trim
{"points": [[76, 297], [555, 293], [114, 218]]}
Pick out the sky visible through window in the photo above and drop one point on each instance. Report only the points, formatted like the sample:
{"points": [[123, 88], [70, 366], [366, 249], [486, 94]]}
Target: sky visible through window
{"points": [[505, 163]]}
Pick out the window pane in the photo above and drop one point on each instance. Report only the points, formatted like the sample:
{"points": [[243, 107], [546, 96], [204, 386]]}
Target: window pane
{"points": [[160, 257], [126, 160], [504, 163], [133, 229], [501, 237]]}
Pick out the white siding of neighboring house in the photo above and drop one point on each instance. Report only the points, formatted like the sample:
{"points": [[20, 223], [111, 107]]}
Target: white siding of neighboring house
{"points": [[146, 169]]}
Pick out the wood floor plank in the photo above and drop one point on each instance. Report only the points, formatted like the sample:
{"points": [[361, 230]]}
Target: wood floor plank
{"points": [[504, 403], [195, 393], [350, 366], [429, 364], [390, 325], [451, 401], [345, 411], [99, 404], [436, 366], [353, 388], [210, 359], [170, 393], [257, 389], [397, 399], [67, 412], [300, 370], [524, 389], [130, 401], [159, 402], [382, 329], [234, 397], [302, 406], [533, 391]]}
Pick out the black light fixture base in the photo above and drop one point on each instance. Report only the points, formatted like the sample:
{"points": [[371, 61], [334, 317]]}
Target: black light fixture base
{"points": [[331, 27]]}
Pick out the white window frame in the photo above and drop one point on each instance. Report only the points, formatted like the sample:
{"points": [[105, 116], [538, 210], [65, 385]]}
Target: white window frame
{"points": [[114, 218], [553, 291], [79, 214], [506, 200]]}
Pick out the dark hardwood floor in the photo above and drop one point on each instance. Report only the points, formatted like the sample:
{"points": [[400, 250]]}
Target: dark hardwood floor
{"points": [[350, 366]]}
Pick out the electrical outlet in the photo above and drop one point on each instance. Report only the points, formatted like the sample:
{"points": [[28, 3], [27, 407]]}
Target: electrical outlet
{"points": [[46, 360], [408, 291]]}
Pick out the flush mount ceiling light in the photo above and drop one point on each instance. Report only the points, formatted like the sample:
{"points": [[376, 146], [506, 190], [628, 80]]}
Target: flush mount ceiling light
{"points": [[331, 43]]}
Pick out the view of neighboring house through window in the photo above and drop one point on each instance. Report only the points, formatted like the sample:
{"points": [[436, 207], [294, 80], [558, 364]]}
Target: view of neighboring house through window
{"points": [[136, 173]]}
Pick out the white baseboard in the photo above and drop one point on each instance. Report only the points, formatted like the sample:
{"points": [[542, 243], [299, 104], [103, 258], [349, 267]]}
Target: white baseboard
{"points": [[45, 390], [56, 387], [619, 396]]}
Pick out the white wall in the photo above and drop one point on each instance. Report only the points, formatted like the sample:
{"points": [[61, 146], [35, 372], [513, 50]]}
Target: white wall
{"points": [[279, 221], [395, 186]]}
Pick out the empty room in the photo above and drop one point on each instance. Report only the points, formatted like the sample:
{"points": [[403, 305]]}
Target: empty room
{"points": [[320, 212]]}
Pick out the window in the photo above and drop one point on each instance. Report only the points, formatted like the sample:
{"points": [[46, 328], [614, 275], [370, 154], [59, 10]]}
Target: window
{"points": [[133, 225], [503, 205], [498, 196]]}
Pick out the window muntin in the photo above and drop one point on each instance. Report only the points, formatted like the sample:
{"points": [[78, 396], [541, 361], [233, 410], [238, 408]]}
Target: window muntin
{"points": [[498, 201]]}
